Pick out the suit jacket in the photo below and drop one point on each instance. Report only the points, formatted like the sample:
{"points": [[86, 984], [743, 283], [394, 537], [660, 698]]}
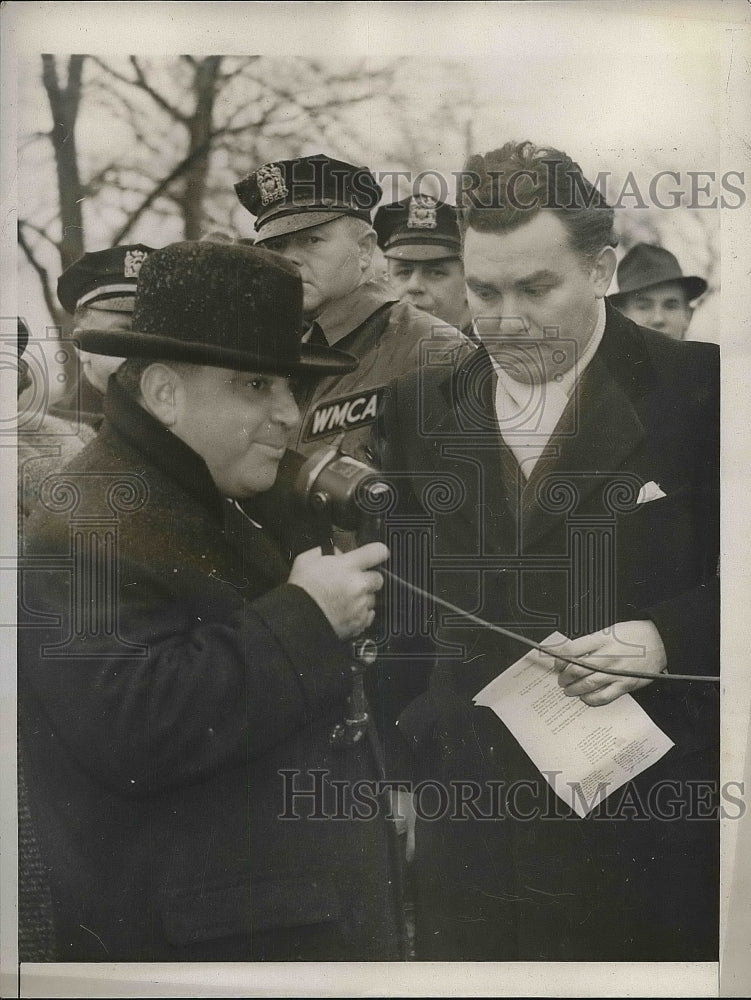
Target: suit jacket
{"points": [[571, 549], [176, 700]]}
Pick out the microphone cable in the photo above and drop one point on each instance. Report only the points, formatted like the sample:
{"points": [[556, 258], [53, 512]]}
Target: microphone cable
{"points": [[500, 630]]}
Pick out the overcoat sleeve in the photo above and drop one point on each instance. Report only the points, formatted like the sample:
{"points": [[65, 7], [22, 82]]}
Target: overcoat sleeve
{"points": [[188, 682]]}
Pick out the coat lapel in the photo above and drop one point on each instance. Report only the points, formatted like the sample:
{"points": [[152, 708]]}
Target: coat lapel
{"points": [[598, 431], [469, 418]]}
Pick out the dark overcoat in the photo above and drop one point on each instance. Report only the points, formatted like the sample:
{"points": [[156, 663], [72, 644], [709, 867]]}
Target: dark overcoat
{"points": [[571, 550], [175, 693]]}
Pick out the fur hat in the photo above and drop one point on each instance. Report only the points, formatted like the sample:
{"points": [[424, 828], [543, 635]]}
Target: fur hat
{"points": [[220, 304]]}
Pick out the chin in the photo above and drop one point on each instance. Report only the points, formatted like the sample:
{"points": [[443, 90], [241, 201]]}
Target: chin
{"points": [[310, 305]]}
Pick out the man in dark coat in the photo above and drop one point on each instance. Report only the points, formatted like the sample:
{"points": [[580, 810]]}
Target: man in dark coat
{"points": [[563, 478], [180, 672]]}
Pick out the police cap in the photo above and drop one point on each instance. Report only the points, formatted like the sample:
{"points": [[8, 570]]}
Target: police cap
{"points": [[418, 228], [289, 195], [103, 279]]}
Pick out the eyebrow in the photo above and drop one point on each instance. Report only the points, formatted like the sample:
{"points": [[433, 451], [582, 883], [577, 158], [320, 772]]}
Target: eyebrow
{"points": [[537, 277], [650, 296]]}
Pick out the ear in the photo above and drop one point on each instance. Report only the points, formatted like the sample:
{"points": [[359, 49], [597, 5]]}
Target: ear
{"points": [[366, 246], [162, 392], [603, 270]]}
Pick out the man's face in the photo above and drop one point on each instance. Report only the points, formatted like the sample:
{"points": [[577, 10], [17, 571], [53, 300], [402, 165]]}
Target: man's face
{"points": [[533, 298], [331, 260], [435, 286], [662, 307], [97, 368], [238, 422]]}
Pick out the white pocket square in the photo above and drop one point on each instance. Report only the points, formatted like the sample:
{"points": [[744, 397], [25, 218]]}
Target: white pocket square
{"points": [[649, 491]]}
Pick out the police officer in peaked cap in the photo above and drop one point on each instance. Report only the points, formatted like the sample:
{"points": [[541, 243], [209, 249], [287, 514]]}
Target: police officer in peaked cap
{"points": [[420, 240], [98, 291], [316, 212]]}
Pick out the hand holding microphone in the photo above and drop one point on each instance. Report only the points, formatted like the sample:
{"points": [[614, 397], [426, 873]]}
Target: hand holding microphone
{"points": [[343, 585]]}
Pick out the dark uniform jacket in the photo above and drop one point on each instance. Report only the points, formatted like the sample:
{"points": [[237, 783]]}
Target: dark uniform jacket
{"points": [[175, 696], [572, 550], [389, 338]]}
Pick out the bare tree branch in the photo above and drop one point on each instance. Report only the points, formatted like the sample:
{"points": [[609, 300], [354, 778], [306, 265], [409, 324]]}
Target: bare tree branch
{"points": [[155, 95], [142, 84], [50, 299], [40, 232], [178, 171]]}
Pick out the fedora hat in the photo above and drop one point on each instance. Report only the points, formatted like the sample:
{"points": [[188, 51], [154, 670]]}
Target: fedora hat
{"points": [[221, 304], [647, 265], [290, 195]]}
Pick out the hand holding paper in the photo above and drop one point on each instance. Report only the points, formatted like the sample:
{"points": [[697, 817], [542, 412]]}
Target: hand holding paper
{"points": [[584, 753], [633, 645]]}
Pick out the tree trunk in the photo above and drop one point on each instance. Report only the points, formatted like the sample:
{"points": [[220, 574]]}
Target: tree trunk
{"points": [[200, 135], [64, 104]]}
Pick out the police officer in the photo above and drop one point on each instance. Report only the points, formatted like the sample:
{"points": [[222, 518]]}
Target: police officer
{"points": [[316, 212], [420, 240], [98, 290]]}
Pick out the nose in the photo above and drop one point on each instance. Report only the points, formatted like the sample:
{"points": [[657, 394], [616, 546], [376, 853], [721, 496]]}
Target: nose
{"points": [[416, 283], [656, 319], [284, 408], [504, 325], [290, 249], [292, 255]]}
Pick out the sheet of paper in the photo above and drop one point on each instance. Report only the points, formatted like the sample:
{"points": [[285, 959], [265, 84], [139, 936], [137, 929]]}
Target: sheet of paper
{"points": [[585, 753]]}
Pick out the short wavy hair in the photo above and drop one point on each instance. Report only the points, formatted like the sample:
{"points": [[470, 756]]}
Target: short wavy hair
{"points": [[511, 185]]}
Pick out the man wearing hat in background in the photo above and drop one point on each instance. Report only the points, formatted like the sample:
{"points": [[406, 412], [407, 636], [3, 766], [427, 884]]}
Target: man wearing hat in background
{"points": [[98, 291], [420, 240], [316, 212], [654, 292], [177, 727]]}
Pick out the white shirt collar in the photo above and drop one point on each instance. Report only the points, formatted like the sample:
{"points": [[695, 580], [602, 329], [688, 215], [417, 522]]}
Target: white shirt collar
{"points": [[520, 390], [527, 413]]}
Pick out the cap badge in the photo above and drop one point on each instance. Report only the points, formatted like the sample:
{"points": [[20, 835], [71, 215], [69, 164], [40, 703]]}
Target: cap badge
{"points": [[422, 212], [132, 262], [270, 183]]}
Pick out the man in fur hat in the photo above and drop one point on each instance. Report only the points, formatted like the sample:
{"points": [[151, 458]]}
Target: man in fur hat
{"points": [[181, 668]]}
